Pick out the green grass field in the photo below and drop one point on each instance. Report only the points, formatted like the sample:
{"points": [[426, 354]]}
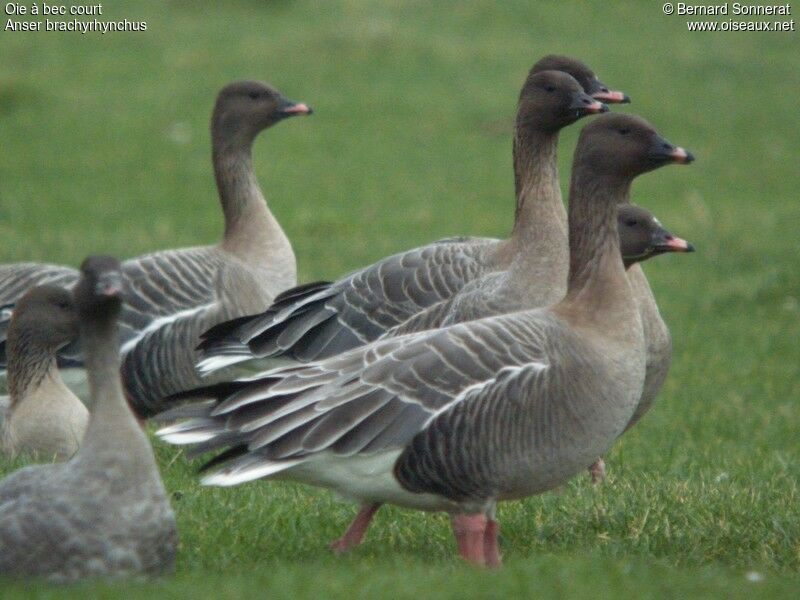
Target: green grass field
{"points": [[104, 147]]}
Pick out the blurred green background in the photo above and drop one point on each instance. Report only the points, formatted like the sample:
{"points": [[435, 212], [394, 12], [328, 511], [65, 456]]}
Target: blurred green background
{"points": [[104, 147]]}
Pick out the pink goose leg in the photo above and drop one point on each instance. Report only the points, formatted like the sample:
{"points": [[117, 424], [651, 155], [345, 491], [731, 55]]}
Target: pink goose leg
{"points": [[355, 533], [470, 531], [491, 549]]}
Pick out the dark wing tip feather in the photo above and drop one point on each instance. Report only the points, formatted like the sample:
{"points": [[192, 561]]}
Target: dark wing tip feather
{"points": [[223, 332], [214, 392], [223, 457], [300, 291]]}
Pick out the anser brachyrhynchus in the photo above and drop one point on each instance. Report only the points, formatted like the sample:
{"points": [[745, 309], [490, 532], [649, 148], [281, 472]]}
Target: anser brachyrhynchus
{"points": [[315, 321], [104, 513], [44, 418], [456, 419], [172, 283]]}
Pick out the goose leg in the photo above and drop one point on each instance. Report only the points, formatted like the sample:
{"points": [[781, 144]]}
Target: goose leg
{"points": [[470, 531], [491, 548], [598, 471], [355, 533]]}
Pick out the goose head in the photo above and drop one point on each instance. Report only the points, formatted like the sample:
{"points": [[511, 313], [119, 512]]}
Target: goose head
{"points": [[642, 236], [621, 147], [98, 294], [244, 108], [551, 100], [46, 316], [583, 75]]}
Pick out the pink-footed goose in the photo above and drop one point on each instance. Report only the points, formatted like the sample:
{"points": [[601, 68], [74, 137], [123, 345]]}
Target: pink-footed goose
{"points": [[318, 320], [459, 418], [501, 292], [44, 419], [105, 512], [162, 285]]}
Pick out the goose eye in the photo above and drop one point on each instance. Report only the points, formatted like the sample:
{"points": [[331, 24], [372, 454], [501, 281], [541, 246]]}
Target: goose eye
{"points": [[631, 222], [550, 88], [624, 131], [253, 95]]}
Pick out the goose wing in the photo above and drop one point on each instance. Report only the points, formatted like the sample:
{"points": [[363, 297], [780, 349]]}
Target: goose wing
{"points": [[164, 284], [320, 320], [368, 400]]}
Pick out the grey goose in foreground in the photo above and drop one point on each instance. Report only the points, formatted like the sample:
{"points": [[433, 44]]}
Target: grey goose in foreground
{"points": [[501, 292], [459, 418], [178, 283], [319, 320], [105, 512], [44, 419]]}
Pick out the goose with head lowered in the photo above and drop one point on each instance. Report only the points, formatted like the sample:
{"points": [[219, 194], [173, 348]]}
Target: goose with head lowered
{"points": [[170, 283], [105, 512], [44, 418], [319, 320], [459, 418]]}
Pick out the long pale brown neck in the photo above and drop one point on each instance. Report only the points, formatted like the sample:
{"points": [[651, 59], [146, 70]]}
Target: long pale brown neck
{"points": [[597, 279], [29, 363], [239, 193], [540, 209], [111, 424]]}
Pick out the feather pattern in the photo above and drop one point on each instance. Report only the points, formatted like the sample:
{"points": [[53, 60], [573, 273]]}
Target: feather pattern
{"points": [[322, 320]]}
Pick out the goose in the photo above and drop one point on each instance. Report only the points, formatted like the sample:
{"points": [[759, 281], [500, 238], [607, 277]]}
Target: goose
{"points": [[459, 418], [43, 417], [641, 237], [103, 513], [318, 320], [170, 283]]}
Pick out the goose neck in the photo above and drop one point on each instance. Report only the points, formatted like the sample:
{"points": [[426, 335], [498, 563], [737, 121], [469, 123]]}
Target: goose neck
{"points": [[112, 428], [596, 273], [239, 192], [539, 208]]}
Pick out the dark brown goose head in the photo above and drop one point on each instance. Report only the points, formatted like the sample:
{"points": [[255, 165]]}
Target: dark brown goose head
{"points": [[44, 318], [641, 235], [244, 108], [583, 75], [551, 100], [98, 294], [620, 147]]}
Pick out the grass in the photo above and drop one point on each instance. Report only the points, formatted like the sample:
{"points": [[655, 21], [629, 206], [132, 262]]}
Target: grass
{"points": [[105, 149]]}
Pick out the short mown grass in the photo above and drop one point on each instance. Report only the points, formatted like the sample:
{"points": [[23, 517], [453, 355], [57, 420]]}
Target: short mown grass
{"points": [[104, 148]]}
